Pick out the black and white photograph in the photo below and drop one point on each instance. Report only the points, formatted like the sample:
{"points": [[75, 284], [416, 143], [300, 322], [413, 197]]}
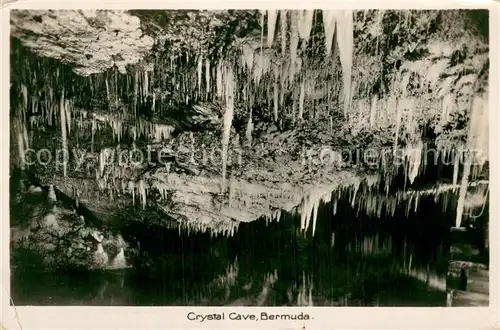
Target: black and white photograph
{"points": [[252, 158]]}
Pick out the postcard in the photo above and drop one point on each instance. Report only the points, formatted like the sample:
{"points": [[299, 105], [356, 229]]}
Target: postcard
{"points": [[250, 165]]}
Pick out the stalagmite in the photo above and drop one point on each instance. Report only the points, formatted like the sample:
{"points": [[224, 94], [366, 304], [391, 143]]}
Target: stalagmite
{"points": [[100, 256], [271, 25], [52, 194], [119, 261], [415, 159]]}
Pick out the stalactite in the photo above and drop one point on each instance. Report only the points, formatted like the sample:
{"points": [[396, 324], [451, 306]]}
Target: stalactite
{"points": [[199, 71], [116, 90], [136, 91], [398, 124], [329, 22], [219, 86], [456, 164], [284, 29], [294, 42], [63, 131], [373, 110], [69, 121], [153, 105], [275, 101], [92, 88], [207, 77], [94, 128], [141, 190], [463, 191], [476, 141], [304, 22], [417, 198], [108, 96], [21, 148], [19, 127], [249, 129], [345, 41], [447, 105], [131, 189], [271, 25], [248, 56], [262, 19], [25, 134], [309, 208], [355, 191], [261, 67], [301, 100], [408, 205], [229, 88]]}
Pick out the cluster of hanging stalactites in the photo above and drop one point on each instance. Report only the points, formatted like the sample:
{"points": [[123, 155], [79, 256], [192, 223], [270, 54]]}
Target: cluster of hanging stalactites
{"points": [[41, 113], [225, 229], [140, 190], [123, 124], [188, 227], [374, 204], [273, 216], [19, 129], [312, 200], [295, 26]]}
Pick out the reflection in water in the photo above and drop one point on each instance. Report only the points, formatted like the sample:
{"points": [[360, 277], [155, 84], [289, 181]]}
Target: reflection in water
{"points": [[353, 259]]}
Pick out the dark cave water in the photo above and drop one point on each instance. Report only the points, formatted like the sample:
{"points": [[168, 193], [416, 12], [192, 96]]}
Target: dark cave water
{"points": [[352, 260]]}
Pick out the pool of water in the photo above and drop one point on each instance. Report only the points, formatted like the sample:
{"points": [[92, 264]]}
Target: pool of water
{"points": [[352, 260]]}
